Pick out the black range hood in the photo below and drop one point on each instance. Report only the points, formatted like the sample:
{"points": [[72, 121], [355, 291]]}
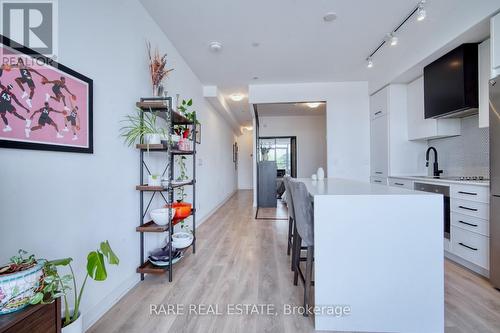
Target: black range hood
{"points": [[451, 84]]}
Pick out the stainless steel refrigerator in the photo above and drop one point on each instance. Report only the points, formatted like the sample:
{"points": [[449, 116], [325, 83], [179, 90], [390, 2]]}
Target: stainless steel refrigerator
{"points": [[495, 182]]}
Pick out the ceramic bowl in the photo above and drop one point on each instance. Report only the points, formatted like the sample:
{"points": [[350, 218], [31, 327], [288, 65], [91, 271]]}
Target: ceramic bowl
{"points": [[160, 215], [181, 240]]}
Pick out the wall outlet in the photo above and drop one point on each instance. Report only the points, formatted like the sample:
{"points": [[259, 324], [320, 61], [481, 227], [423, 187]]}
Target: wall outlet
{"points": [[200, 162]]}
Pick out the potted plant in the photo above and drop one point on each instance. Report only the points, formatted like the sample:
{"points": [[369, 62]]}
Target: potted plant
{"points": [[19, 280], [55, 285], [184, 109], [182, 209], [142, 126]]}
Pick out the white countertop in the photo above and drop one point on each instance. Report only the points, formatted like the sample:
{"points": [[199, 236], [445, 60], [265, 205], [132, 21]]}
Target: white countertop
{"points": [[449, 181], [340, 186]]}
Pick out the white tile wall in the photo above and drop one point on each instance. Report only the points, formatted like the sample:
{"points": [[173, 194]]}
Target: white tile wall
{"points": [[467, 154]]}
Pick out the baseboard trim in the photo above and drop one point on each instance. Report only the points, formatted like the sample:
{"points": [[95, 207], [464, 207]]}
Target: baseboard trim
{"points": [[100, 309], [462, 262]]}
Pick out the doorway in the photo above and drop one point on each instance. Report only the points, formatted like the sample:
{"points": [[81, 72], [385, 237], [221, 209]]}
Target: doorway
{"points": [[283, 150]]}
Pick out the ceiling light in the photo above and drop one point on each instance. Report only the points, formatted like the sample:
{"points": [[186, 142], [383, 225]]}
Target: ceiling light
{"points": [[421, 13], [236, 97], [313, 105], [370, 63], [330, 16], [215, 47], [393, 40]]}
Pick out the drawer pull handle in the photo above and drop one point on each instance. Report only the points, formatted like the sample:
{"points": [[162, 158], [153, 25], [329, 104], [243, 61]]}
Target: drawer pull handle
{"points": [[467, 246], [378, 112], [377, 181], [472, 209], [467, 223], [378, 172], [400, 184], [468, 193]]}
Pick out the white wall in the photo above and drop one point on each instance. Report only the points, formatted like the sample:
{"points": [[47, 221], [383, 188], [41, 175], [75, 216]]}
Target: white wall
{"points": [[347, 120], [63, 204], [245, 160], [311, 139]]}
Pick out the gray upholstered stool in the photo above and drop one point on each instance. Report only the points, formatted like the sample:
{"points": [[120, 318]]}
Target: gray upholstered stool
{"points": [[289, 204], [303, 235]]}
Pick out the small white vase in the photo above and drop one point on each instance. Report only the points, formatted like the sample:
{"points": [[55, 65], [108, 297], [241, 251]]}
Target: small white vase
{"points": [[320, 173], [153, 139], [74, 327]]}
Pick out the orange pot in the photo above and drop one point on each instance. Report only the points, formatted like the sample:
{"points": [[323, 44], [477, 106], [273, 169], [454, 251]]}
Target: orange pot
{"points": [[182, 209]]}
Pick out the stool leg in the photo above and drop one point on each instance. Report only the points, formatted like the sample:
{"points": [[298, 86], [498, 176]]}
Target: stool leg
{"points": [[289, 239], [294, 241], [308, 278], [297, 244]]}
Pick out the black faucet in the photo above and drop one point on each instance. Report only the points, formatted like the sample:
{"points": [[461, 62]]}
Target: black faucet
{"points": [[436, 171]]}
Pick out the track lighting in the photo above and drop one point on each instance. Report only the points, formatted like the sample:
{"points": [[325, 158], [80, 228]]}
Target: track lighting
{"points": [[421, 13], [390, 38], [393, 40]]}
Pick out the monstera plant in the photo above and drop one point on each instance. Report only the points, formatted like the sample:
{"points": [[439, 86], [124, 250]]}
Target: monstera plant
{"points": [[54, 285]]}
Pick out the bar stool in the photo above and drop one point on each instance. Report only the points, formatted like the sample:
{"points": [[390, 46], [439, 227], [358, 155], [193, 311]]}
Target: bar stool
{"points": [[289, 204], [303, 233]]}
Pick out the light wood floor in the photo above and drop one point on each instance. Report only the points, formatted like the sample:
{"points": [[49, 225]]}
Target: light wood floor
{"points": [[241, 260]]}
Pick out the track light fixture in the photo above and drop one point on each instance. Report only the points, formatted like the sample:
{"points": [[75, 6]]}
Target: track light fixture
{"points": [[421, 13], [369, 62], [391, 38]]}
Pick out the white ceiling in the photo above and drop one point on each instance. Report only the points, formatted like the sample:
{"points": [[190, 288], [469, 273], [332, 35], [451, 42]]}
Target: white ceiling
{"points": [[296, 45], [289, 109]]}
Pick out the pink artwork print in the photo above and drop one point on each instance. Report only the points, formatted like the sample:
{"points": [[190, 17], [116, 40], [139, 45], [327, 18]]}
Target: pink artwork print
{"points": [[43, 104]]}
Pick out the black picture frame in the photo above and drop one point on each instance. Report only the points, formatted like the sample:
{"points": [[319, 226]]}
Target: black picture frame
{"points": [[6, 42]]}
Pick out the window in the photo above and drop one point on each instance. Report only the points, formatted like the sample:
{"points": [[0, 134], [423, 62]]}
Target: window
{"points": [[279, 150]]}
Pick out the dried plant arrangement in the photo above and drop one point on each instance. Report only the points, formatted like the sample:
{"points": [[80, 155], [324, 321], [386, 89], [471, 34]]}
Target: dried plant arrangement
{"points": [[157, 66]]}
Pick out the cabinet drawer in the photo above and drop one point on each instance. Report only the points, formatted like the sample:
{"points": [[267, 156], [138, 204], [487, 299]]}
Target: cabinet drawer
{"points": [[404, 183], [470, 246], [378, 180], [470, 223], [470, 192], [470, 208]]}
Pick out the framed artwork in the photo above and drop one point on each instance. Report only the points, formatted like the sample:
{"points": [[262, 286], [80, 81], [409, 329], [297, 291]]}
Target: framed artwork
{"points": [[44, 105]]}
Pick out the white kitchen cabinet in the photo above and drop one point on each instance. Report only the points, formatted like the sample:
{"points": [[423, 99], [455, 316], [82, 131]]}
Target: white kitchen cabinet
{"points": [[495, 45], [420, 128], [378, 146], [401, 182], [471, 246], [390, 150], [484, 80], [378, 180]]}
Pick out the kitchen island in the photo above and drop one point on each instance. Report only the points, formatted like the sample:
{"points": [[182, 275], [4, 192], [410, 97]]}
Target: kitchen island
{"points": [[378, 254]]}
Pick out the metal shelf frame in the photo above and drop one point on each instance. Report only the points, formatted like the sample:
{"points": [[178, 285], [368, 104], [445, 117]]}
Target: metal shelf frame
{"points": [[166, 112]]}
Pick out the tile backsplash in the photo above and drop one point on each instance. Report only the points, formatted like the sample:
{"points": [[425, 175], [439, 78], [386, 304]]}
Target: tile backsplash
{"points": [[467, 154]]}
